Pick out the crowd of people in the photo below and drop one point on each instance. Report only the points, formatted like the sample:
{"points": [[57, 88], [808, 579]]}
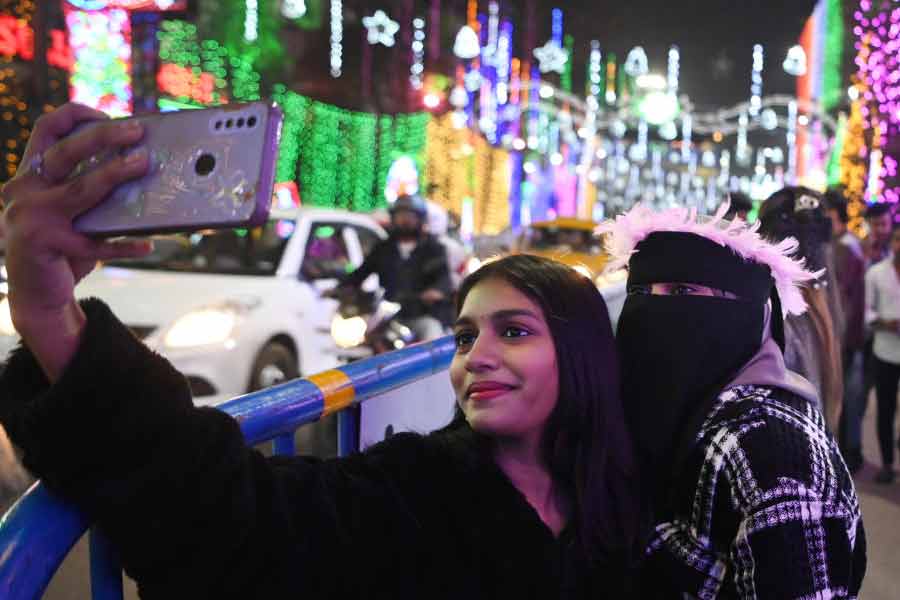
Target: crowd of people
{"points": [[695, 453]]}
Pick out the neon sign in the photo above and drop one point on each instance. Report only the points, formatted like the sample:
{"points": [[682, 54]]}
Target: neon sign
{"points": [[17, 39]]}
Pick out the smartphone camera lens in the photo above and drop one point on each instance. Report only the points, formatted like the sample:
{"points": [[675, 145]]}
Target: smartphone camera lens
{"points": [[229, 123], [205, 164], [251, 122], [218, 125], [240, 122]]}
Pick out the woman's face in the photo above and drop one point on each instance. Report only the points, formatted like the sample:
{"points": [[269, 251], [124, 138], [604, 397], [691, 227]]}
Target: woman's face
{"points": [[504, 371]]}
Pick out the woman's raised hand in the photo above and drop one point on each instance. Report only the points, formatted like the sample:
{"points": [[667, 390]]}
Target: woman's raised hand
{"points": [[45, 256]]}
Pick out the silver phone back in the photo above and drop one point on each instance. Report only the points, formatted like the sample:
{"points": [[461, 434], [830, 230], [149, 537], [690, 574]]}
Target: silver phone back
{"points": [[180, 190]]}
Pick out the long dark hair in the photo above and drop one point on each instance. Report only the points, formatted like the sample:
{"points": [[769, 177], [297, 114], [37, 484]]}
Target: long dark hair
{"points": [[585, 443]]}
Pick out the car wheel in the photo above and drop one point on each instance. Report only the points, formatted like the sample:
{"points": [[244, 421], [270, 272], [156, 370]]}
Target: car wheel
{"points": [[275, 364]]}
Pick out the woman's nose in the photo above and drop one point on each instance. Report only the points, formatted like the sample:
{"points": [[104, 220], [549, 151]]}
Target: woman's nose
{"points": [[483, 355]]}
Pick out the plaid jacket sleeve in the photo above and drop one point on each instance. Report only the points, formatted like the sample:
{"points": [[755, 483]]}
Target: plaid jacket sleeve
{"points": [[795, 542], [774, 513]]}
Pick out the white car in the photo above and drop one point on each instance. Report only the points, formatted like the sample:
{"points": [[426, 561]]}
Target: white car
{"points": [[236, 310]]}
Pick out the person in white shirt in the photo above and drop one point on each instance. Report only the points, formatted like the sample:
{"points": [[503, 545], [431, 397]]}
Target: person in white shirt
{"points": [[883, 316]]}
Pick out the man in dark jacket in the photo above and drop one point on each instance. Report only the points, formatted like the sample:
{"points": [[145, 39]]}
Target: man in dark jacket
{"points": [[412, 268]]}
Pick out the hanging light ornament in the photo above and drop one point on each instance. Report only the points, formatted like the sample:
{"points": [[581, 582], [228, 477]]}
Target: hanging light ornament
{"points": [[552, 57], [795, 62], [466, 45], [381, 29], [636, 63]]}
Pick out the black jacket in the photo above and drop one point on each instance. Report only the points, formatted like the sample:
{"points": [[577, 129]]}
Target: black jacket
{"points": [[197, 514], [404, 280]]}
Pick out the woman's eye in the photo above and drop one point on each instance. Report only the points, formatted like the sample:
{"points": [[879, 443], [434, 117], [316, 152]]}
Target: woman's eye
{"points": [[464, 338], [638, 290], [515, 332], [682, 290]]}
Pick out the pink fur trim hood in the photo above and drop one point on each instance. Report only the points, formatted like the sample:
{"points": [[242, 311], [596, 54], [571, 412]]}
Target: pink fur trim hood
{"points": [[627, 230]]}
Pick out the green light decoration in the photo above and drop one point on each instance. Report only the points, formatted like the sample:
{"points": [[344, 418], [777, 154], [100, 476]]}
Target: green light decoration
{"points": [[566, 79], [833, 85], [341, 158]]}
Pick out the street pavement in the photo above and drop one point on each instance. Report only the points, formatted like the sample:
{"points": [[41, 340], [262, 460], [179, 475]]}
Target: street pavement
{"points": [[880, 508]]}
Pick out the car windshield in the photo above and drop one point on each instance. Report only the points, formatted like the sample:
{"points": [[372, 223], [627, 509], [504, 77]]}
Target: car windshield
{"points": [[254, 251], [574, 240]]}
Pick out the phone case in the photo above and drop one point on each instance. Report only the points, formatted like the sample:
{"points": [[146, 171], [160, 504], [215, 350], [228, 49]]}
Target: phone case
{"points": [[209, 168]]}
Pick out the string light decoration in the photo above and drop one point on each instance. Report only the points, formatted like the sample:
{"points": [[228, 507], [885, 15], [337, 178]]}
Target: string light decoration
{"points": [[552, 56], [337, 37], [417, 69], [877, 30], [673, 72], [101, 43], [566, 79], [191, 71], [340, 157], [756, 80], [18, 106], [468, 172], [595, 72]]}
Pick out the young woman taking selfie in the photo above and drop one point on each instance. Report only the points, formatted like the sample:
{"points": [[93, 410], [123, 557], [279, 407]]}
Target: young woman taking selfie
{"points": [[529, 493]]}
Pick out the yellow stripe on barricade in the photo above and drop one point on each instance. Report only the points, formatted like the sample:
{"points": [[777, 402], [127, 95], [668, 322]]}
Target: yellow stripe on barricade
{"points": [[337, 390]]}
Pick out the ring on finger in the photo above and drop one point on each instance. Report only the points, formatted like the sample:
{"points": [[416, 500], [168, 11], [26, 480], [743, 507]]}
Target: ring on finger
{"points": [[38, 167]]}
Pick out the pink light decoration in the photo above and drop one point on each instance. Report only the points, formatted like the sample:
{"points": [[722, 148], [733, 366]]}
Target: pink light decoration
{"points": [[101, 44], [878, 62]]}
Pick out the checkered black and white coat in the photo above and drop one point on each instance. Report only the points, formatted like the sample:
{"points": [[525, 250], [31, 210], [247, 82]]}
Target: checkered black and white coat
{"points": [[764, 508]]}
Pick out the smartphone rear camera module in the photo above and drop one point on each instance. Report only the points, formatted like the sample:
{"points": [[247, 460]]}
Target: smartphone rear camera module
{"points": [[229, 123], [251, 122], [205, 164], [240, 122]]}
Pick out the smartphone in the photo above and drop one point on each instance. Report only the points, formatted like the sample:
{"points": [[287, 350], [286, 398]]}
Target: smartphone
{"points": [[211, 168]]}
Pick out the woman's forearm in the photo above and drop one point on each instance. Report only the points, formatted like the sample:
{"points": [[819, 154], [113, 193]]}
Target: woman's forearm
{"points": [[52, 337]]}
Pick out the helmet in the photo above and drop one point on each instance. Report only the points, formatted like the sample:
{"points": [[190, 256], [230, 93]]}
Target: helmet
{"points": [[413, 203]]}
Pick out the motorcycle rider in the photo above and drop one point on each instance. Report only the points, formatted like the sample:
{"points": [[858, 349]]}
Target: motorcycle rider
{"points": [[412, 268]]}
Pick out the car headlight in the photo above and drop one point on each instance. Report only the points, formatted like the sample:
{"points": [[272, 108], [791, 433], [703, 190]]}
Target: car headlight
{"points": [[202, 327], [6, 324], [348, 333]]}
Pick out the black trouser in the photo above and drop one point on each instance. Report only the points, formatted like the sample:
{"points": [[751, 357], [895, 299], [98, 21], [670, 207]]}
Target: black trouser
{"points": [[887, 376]]}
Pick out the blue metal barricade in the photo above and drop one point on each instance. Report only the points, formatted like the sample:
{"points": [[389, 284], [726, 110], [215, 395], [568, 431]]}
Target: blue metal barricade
{"points": [[38, 532]]}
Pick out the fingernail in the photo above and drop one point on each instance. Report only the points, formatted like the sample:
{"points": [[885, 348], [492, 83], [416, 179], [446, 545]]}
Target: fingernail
{"points": [[136, 156]]}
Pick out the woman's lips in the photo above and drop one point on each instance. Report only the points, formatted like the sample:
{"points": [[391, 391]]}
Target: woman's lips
{"points": [[486, 390]]}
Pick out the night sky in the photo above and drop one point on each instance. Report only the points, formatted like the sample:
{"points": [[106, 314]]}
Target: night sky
{"points": [[716, 38]]}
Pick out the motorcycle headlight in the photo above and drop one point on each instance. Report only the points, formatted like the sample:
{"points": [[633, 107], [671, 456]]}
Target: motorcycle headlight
{"points": [[202, 327], [348, 333], [6, 324]]}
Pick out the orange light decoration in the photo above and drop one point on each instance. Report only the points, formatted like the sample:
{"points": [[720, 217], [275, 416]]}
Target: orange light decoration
{"points": [[464, 166], [185, 82]]}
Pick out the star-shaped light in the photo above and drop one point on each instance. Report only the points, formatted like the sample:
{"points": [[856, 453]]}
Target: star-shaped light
{"points": [[382, 28], [552, 57]]}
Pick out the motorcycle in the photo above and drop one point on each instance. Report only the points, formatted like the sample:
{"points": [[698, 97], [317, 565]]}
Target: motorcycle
{"points": [[366, 324]]}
